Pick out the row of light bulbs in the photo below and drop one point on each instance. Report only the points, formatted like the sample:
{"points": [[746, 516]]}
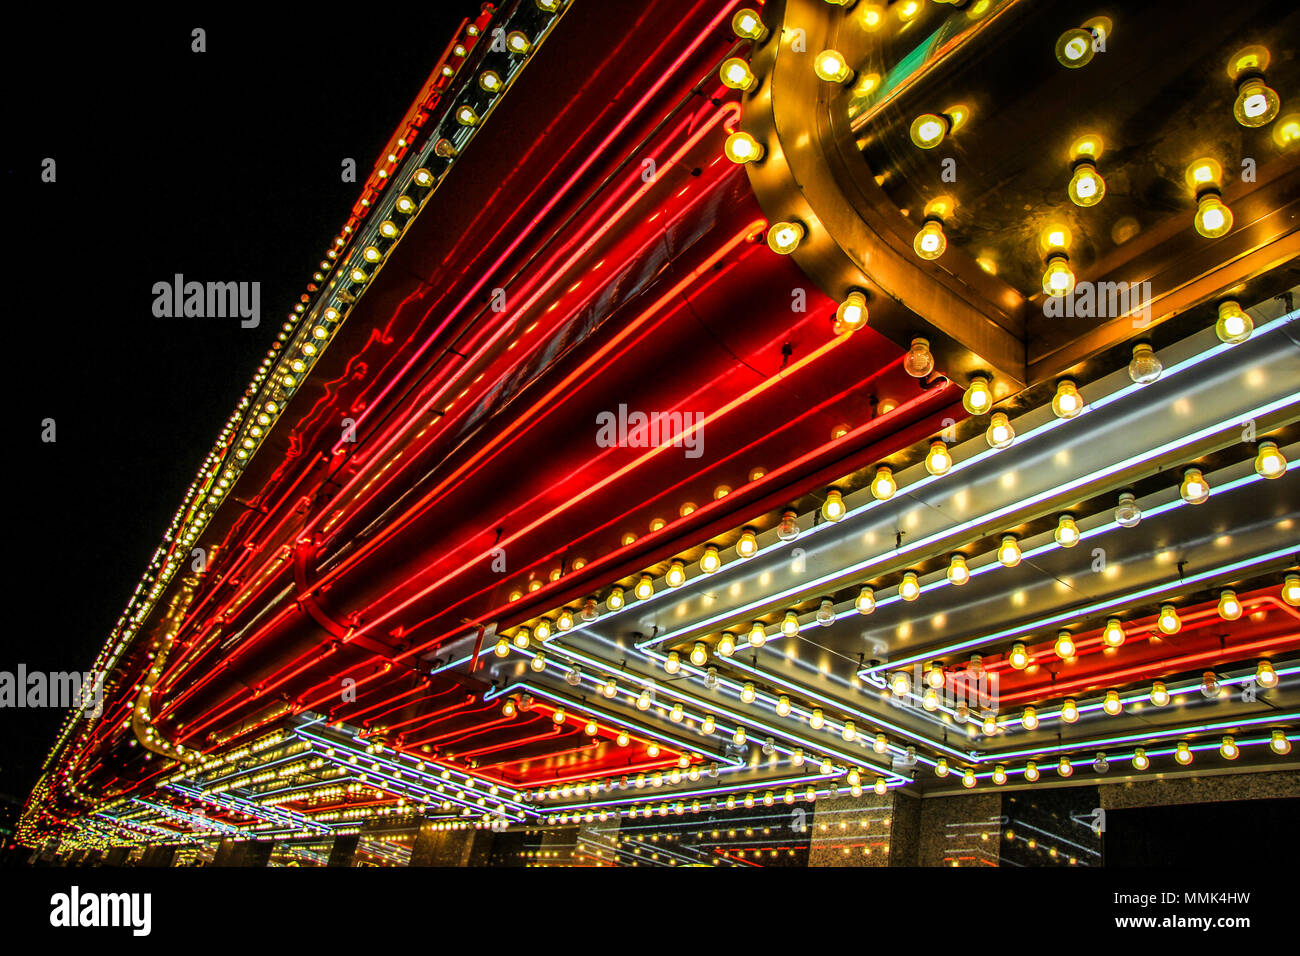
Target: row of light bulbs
{"points": [[1279, 744]]}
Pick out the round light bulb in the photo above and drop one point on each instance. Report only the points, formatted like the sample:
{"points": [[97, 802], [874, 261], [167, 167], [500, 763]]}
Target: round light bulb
{"points": [[1229, 606], [711, 560], [1291, 590], [831, 66], [736, 75], [673, 662], [930, 242], [958, 572], [784, 237], [645, 588], [1000, 434], [1140, 759], [1031, 771], [1145, 366], [1067, 403], [1074, 48], [851, 314], [1087, 187], [1113, 634], [1064, 647], [883, 485], [1213, 217], [699, 654], [938, 460], [1069, 711], [1019, 656], [1159, 694], [910, 588], [1009, 551], [978, 398], [1058, 277], [1195, 489], [1067, 532], [1112, 705], [1169, 622], [1064, 768], [1265, 675], [1183, 753], [1127, 512], [1269, 462], [747, 546], [929, 129], [833, 508], [1233, 325], [726, 645], [1279, 743], [748, 25], [1256, 104], [1029, 719], [757, 634], [741, 147], [865, 601], [790, 624], [918, 362]]}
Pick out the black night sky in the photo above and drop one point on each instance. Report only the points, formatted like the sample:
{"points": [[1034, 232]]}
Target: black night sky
{"points": [[223, 166]]}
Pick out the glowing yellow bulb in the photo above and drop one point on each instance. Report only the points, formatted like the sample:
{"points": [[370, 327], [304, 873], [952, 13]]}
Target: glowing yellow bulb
{"points": [[1113, 634], [1229, 606], [1087, 187], [1291, 590], [1065, 648], [883, 485], [851, 314], [502, 647], [831, 67], [929, 129], [1233, 324], [941, 767], [1256, 104], [740, 147], [1067, 532], [816, 720], [1064, 768], [938, 460], [1029, 718], [737, 75], [673, 663], [522, 638], [675, 577], [747, 546], [790, 624], [1279, 743], [865, 601], [1009, 551], [784, 237], [1074, 48], [783, 706], [1183, 753], [1195, 489], [1019, 656], [1269, 462], [910, 588], [1069, 711], [999, 434], [1055, 238], [747, 692], [958, 572], [900, 684], [1159, 694], [699, 654], [833, 508], [1058, 277], [747, 25], [757, 634], [978, 398], [1031, 771], [645, 587], [1112, 705], [726, 644], [615, 600], [1140, 759], [930, 242], [1169, 622], [1067, 403], [1213, 217], [1286, 131]]}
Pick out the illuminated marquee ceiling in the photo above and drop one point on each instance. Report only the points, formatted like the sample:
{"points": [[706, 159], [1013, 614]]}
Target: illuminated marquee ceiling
{"points": [[475, 610]]}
